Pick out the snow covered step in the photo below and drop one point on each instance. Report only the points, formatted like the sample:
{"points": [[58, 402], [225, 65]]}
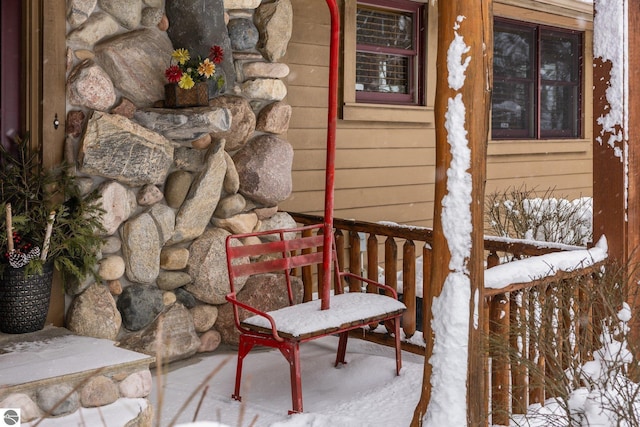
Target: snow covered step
{"points": [[57, 363]]}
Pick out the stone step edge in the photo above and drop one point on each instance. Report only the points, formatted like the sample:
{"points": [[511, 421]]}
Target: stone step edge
{"points": [[76, 379]]}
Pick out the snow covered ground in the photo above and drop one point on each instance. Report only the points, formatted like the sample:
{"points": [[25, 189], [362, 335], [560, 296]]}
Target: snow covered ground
{"points": [[364, 393]]}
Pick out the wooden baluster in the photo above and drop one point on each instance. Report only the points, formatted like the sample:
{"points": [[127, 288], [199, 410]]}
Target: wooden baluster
{"points": [[391, 263], [536, 389], [551, 347], [518, 342], [319, 267], [307, 274], [597, 316], [426, 286], [492, 260], [578, 319], [567, 311], [340, 250], [499, 317], [409, 287], [372, 266], [484, 306], [390, 268], [429, 293], [355, 264], [585, 321], [496, 382], [372, 261]]}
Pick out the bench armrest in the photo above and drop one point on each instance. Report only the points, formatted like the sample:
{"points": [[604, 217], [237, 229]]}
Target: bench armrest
{"points": [[232, 299], [379, 285]]}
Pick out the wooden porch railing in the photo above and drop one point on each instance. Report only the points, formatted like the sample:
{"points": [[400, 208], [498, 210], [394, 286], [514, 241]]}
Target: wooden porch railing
{"points": [[518, 362]]}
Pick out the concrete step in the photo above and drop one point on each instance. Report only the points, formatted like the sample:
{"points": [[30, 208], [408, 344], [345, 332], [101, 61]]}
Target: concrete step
{"points": [[54, 356]]}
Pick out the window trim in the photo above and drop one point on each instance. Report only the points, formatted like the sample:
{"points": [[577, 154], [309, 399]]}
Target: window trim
{"points": [[379, 112], [416, 79], [536, 79]]}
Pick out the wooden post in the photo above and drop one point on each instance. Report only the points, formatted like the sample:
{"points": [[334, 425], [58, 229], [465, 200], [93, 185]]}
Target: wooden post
{"points": [[467, 24], [616, 161], [46, 30]]}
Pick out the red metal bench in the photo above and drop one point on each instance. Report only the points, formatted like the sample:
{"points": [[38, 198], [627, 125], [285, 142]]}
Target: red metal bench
{"points": [[286, 328]]}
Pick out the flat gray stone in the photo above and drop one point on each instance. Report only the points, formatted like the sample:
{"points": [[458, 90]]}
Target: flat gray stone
{"points": [[115, 147], [96, 27], [185, 125], [126, 12], [141, 249], [203, 197], [136, 62]]}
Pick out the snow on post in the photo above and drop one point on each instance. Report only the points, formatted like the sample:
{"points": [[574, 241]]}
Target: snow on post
{"points": [[610, 45], [450, 310]]}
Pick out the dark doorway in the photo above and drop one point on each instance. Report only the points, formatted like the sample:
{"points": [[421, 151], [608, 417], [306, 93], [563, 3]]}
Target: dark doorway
{"points": [[10, 68]]}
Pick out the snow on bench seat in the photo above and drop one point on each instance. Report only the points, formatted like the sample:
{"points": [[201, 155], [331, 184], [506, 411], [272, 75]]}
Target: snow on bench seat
{"points": [[289, 252], [307, 320]]}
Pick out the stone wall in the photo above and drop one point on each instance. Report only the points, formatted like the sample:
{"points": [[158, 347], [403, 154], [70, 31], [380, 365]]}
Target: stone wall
{"points": [[174, 182]]}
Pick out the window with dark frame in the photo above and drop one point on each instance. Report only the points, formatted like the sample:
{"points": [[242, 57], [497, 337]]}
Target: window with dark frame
{"points": [[389, 52], [537, 81]]}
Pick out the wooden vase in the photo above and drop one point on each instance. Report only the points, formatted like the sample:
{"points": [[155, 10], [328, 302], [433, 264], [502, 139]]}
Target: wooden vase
{"points": [[176, 97]]}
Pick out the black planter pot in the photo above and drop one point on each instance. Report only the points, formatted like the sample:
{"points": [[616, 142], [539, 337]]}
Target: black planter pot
{"points": [[24, 300]]}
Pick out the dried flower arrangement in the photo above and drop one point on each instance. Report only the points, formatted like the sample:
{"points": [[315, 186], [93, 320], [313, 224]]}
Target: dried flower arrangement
{"points": [[187, 71]]}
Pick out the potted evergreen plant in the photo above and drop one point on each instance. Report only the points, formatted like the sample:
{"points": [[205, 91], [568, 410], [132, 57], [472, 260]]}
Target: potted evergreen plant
{"points": [[46, 224]]}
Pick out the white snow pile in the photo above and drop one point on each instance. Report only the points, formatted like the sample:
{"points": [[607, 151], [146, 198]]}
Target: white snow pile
{"points": [[527, 269], [606, 398]]}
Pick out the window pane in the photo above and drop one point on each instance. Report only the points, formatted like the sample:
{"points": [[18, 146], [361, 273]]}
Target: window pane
{"points": [[512, 52], [558, 109], [512, 108], [382, 73], [559, 60], [384, 28]]}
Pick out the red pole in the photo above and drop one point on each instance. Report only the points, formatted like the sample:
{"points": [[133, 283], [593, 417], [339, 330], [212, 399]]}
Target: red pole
{"points": [[331, 152]]}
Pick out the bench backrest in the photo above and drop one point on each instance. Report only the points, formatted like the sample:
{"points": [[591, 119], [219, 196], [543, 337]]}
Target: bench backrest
{"points": [[278, 251]]}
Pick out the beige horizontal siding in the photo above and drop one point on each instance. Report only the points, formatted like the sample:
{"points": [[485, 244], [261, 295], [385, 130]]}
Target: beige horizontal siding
{"points": [[313, 180], [420, 214], [311, 77], [364, 158], [350, 198], [353, 138], [386, 170]]}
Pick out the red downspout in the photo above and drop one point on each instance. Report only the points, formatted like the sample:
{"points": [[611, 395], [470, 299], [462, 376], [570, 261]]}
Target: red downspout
{"points": [[331, 152]]}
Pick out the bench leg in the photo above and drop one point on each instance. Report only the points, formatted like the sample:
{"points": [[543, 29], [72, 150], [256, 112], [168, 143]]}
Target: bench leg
{"points": [[342, 348], [396, 328], [244, 347], [291, 351]]}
